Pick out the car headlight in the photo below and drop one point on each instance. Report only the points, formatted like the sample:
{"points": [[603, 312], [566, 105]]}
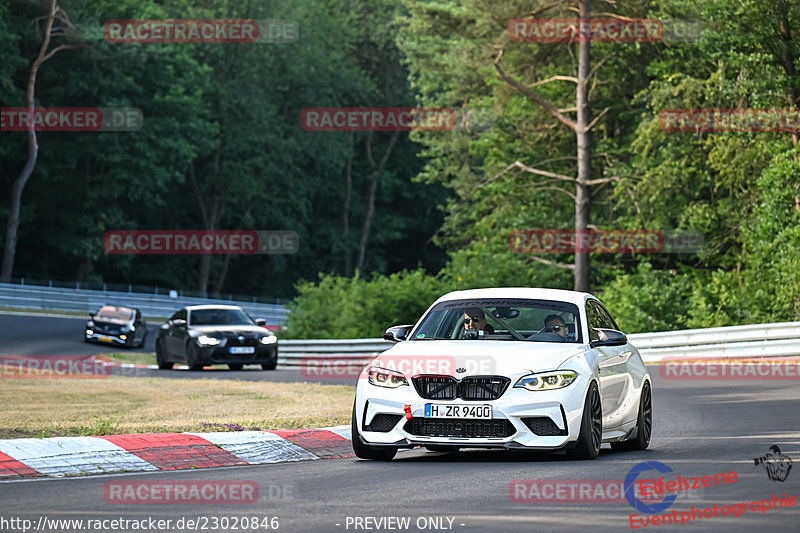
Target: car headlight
{"points": [[270, 339], [207, 341], [383, 377], [90, 325], [557, 379], [125, 329]]}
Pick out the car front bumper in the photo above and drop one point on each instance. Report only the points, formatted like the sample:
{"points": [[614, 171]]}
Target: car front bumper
{"points": [[220, 355], [521, 419]]}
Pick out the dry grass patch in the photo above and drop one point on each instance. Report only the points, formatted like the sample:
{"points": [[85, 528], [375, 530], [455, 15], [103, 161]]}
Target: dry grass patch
{"points": [[114, 405]]}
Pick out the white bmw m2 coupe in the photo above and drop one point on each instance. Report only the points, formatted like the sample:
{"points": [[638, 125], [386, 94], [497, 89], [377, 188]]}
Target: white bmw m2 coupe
{"points": [[513, 368]]}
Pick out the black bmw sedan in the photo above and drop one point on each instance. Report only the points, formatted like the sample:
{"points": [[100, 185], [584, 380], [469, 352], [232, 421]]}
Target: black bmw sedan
{"points": [[200, 335], [116, 325]]}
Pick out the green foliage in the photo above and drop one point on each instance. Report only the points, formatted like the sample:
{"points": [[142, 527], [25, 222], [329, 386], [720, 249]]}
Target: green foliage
{"points": [[347, 308], [648, 300]]}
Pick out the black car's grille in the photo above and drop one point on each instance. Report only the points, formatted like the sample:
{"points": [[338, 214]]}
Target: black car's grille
{"points": [[103, 327], [383, 423], [466, 428], [436, 388], [543, 426], [469, 388]]}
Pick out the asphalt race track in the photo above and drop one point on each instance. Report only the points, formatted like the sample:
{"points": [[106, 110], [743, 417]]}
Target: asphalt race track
{"points": [[42, 335], [701, 428]]}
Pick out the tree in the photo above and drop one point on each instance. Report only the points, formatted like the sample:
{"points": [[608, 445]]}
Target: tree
{"points": [[54, 13]]}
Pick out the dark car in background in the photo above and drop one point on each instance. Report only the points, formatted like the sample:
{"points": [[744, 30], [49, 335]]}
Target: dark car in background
{"points": [[116, 325], [200, 335]]}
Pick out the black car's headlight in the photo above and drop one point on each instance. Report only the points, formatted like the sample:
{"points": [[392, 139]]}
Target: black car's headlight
{"points": [[383, 377], [90, 325], [126, 329], [205, 340], [269, 339], [557, 379]]}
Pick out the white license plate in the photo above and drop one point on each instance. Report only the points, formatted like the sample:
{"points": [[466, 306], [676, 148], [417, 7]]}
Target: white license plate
{"points": [[445, 410], [242, 349]]}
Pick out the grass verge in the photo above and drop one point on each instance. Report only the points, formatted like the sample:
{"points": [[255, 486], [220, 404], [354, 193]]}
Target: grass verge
{"points": [[118, 405]]}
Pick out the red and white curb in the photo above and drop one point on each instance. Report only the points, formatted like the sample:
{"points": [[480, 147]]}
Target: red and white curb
{"points": [[64, 456]]}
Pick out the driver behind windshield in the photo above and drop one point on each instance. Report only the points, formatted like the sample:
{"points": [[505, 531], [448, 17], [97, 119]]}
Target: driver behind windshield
{"points": [[555, 324], [475, 319]]}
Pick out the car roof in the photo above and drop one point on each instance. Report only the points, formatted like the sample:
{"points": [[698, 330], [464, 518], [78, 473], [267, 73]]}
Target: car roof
{"points": [[117, 307], [526, 293], [198, 307]]}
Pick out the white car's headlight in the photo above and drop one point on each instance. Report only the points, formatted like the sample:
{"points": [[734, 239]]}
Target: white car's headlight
{"points": [[383, 377], [207, 341], [557, 379], [271, 339]]}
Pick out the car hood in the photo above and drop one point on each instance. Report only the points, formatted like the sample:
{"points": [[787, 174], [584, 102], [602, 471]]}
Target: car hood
{"points": [[477, 357], [231, 331], [109, 321]]}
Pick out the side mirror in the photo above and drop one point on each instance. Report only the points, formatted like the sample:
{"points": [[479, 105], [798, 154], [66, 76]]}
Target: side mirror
{"points": [[609, 337], [397, 333], [261, 321], [178, 323], [91, 315]]}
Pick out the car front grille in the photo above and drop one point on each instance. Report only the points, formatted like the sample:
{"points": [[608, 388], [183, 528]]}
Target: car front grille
{"points": [[436, 388], [465, 428], [489, 388], [469, 388]]}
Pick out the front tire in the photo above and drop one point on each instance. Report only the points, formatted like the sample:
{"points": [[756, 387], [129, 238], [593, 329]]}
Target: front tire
{"points": [[235, 366], [591, 435], [191, 357], [644, 424], [365, 451], [271, 365], [161, 361]]}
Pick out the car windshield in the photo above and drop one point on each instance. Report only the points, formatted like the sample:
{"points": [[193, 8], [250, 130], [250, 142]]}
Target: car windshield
{"points": [[219, 317], [109, 312], [502, 319]]}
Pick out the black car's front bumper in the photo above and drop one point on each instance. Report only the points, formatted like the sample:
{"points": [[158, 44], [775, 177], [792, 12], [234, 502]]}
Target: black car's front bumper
{"points": [[220, 355]]}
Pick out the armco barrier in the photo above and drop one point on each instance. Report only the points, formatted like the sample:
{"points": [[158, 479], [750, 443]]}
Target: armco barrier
{"points": [[151, 305], [756, 340]]}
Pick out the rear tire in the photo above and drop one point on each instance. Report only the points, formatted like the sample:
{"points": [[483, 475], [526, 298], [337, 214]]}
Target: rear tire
{"points": [[161, 359], [644, 424], [235, 366], [365, 451], [591, 435]]}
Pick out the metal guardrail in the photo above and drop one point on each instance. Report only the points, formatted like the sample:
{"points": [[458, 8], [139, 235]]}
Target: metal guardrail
{"points": [[151, 305], [756, 340]]}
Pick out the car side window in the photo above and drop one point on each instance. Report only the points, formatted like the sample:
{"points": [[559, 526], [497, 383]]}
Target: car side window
{"points": [[594, 320], [605, 317]]}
